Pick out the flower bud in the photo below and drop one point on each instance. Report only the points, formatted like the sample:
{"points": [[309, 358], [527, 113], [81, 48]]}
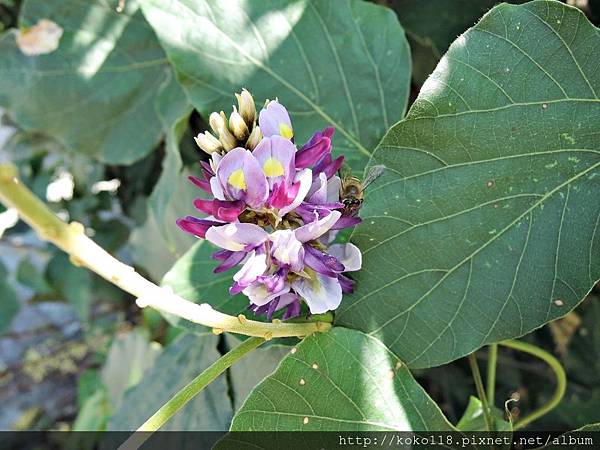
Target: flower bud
{"points": [[237, 125], [218, 122], [255, 137], [208, 142], [247, 107]]}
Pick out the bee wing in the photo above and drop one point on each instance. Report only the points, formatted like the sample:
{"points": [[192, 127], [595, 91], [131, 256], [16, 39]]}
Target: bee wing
{"points": [[374, 173]]}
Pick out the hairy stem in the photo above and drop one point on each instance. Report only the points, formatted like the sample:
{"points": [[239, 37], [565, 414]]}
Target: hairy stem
{"points": [[487, 416], [193, 388], [84, 252], [491, 373], [559, 374]]}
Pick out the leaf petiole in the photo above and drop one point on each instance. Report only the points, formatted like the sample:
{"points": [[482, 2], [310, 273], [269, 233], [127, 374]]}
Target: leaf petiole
{"points": [[487, 416], [188, 392], [559, 373]]}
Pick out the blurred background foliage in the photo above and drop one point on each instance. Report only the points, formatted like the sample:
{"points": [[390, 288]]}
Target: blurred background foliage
{"points": [[112, 148]]}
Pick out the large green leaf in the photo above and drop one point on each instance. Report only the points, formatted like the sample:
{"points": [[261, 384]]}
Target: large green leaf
{"points": [[172, 195], [177, 365], [129, 357], [95, 93], [340, 380], [484, 226], [429, 34], [339, 62]]}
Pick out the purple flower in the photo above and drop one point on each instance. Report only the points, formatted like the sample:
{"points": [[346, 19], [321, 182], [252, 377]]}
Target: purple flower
{"points": [[239, 176], [274, 120], [274, 211]]}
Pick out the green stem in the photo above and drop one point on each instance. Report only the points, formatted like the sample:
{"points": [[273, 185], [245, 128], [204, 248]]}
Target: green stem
{"points": [[559, 374], [193, 388], [481, 392], [72, 239], [491, 373]]}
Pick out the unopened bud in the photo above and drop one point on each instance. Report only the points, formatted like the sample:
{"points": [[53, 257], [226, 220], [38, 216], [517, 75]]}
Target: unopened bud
{"points": [[255, 137], [218, 122], [207, 142], [237, 125], [246, 106]]}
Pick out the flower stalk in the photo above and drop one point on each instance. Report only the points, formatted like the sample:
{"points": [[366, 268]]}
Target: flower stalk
{"points": [[84, 252]]}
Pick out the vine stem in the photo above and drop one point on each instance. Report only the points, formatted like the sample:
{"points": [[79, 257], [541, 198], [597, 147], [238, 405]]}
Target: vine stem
{"points": [[487, 417], [83, 251], [193, 388], [559, 373], [491, 373]]}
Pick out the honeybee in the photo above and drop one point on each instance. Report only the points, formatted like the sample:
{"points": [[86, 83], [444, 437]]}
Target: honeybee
{"points": [[352, 189]]}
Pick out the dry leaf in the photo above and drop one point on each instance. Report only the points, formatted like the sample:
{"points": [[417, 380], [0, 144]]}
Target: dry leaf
{"points": [[39, 39]]}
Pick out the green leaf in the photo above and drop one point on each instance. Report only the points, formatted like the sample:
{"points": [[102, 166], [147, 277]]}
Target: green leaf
{"points": [[94, 413], [484, 225], [129, 357], [95, 93], [339, 62], [72, 283], [340, 380], [429, 34], [173, 194], [192, 278], [9, 302], [29, 275], [177, 365], [473, 420]]}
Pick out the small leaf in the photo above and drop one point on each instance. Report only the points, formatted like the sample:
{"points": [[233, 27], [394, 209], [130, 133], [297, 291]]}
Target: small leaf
{"points": [[30, 276], [484, 225], [9, 302], [72, 283], [473, 420], [340, 380], [344, 63]]}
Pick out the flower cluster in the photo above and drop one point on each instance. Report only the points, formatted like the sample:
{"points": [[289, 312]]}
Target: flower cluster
{"points": [[274, 210]]}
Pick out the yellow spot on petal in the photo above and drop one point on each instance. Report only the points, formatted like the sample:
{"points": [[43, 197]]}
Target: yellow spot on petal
{"points": [[305, 421], [286, 131], [273, 168], [237, 180]]}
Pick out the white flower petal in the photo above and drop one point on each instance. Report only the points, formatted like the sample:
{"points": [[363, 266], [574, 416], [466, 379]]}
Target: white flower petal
{"points": [[287, 249], [254, 267], [216, 189], [317, 228], [320, 293], [348, 254], [235, 236]]}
